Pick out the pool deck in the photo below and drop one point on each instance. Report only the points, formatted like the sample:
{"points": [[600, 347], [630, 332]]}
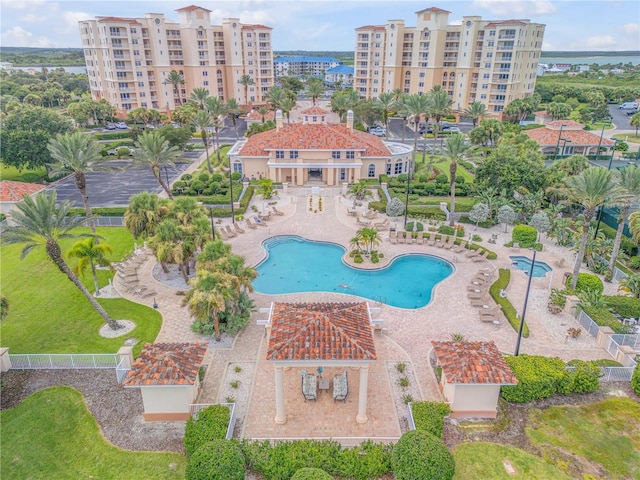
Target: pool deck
{"points": [[406, 336]]}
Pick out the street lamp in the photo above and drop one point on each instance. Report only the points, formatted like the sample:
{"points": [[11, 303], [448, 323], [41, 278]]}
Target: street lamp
{"points": [[558, 144], [526, 300], [564, 142], [600, 142], [233, 216], [613, 151], [406, 204]]}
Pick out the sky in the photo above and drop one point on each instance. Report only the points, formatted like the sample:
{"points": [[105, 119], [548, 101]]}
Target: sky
{"points": [[328, 25]]}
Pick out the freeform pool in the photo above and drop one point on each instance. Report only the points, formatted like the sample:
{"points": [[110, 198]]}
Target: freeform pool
{"points": [[294, 264], [540, 269]]}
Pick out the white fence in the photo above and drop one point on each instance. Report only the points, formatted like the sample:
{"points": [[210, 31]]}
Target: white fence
{"points": [[63, 361], [588, 324], [410, 420], [122, 370], [194, 408]]}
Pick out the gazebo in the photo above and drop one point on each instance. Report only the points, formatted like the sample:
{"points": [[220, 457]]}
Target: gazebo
{"points": [[323, 335], [472, 374]]}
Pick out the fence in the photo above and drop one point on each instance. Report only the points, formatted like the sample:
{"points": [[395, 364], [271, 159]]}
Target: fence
{"points": [[628, 340], [410, 420], [4, 224], [194, 408], [586, 321], [63, 361], [107, 221], [121, 371]]}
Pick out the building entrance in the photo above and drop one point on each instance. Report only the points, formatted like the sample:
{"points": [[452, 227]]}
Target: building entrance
{"points": [[315, 174]]}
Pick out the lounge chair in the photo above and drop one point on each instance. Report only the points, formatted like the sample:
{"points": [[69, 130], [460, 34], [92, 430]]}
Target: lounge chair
{"points": [[393, 236], [472, 253], [495, 319], [237, 228], [276, 211], [461, 247], [451, 241], [401, 237], [309, 387], [432, 240], [489, 312], [476, 295], [481, 302], [230, 233], [352, 212], [249, 224], [340, 387], [476, 288], [259, 222], [480, 258], [381, 225], [264, 216], [371, 214], [221, 233], [365, 223], [420, 238]]}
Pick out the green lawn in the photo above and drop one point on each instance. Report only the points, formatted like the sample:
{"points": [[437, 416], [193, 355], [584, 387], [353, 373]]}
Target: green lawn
{"points": [[52, 434], [606, 432], [12, 173], [485, 461], [48, 314], [443, 164], [628, 138]]}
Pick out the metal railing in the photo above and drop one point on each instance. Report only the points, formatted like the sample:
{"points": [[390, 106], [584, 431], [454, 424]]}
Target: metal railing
{"points": [[410, 420], [616, 374], [629, 340], [591, 326], [121, 372], [63, 361], [194, 408], [107, 221]]}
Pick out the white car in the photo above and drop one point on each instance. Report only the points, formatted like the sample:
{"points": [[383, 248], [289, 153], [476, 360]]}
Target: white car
{"points": [[121, 126]]}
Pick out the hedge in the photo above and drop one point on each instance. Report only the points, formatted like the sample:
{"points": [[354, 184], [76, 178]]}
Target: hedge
{"points": [[211, 424], [418, 454], [538, 377], [604, 318], [635, 379], [585, 377], [626, 307], [311, 474], [99, 212], [525, 235], [429, 416], [504, 276], [111, 136], [216, 460], [365, 461], [586, 281]]}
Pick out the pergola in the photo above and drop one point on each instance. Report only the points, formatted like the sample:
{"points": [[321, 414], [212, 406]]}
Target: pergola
{"points": [[321, 335]]}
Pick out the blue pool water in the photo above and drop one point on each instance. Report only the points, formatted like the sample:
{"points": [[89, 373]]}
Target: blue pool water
{"points": [[294, 264], [540, 269]]}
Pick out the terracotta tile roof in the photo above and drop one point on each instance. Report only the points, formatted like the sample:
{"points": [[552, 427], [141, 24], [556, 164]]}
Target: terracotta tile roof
{"points": [[167, 364], [542, 113], [371, 27], [131, 21], [192, 7], [434, 9], [565, 125], [497, 23], [314, 111], [255, 115], [256, 26], [321, 331], [473, 363], [11, 191], [548, 137], [316, 136]]}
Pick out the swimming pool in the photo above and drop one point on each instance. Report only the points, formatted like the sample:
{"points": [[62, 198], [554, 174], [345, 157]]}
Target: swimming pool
{"points": [[295, 264], [540, 269]]}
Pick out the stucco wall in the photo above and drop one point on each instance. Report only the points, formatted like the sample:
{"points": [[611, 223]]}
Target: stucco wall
{"points": [[174, 399]]}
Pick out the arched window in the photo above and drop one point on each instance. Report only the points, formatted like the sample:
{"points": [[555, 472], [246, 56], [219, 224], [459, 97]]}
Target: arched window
{"points": [[453, 74], [407, 74], [444, 75], [371, 172]]}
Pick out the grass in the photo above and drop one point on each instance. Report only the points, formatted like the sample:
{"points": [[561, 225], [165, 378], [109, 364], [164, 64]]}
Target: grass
{"points": [[485, 460], [442, 163], [505, 304], [12, 173], [48, 314], [627, 138], [69, 444], [607, 433]]}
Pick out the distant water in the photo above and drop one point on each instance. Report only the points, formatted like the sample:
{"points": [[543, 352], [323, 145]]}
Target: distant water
{"points": [[76, 69], [588, 60]]}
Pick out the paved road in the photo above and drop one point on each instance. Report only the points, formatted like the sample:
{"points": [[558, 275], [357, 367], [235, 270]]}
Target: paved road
{"points": [[113, 189]]}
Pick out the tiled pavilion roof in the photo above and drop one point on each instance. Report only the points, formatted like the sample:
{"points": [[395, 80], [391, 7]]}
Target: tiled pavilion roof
{"points": [[11, 191], [315, 110], [547, 137], [473, 363], [321, 331]]}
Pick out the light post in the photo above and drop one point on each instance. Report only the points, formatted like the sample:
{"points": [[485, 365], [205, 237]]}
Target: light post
{"points": [[558, 144], [526, 300], [213, 230], [613, 151], [564, 143], [406, 204], [233, 216], [600, 142]]}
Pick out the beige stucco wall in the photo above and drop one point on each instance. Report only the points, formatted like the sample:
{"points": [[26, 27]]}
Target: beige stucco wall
{"points": [[472, 400], [169, 399]]}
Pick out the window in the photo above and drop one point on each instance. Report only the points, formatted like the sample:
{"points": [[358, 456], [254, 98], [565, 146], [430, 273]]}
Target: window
{"points": [[489, 54], [138, 74], [388, 168], [351, 154], [205, 74], [486, 76], [205, 83], [371, 171], [143, 94], [487, 65], [237, 167], [420, 84], [398, 168], [133, 30], [141, 84], [335, 154], [485, 86], [492, 33], [293, 154], [490, 44], [483, 96]]}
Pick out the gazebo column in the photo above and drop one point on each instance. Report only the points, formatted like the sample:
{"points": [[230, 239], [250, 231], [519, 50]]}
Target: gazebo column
{"points": [[281, 416], [362, 395]]}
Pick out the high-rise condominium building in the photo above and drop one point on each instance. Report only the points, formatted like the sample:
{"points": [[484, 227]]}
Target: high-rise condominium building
{"points": [[491, 61], [130, 60]]}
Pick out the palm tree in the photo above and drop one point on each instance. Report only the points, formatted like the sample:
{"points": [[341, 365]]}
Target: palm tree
{"points": [[475, 111], [370, 236], [631, 284], [415, 105], [634, 225], [76, 153], [386, 102], [90, 254], [218, 112], [454, 150], [635, 122], [439, 106], [360, 190], [154, 151], [202, 122], [233, 109], [314, 90], [287, 105], [199, 95], [39, 222], [340, 104], [275, 96], [263, 113], [176, 80], [629, 180], [245, 81], [595, 187], [144, 213]]}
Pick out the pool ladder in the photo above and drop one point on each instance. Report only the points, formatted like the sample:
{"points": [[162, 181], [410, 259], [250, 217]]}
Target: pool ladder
{"points": [[380, 300]]}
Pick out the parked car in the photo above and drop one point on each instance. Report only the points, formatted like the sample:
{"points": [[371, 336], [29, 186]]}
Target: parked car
{"points": [[454, 130], [629, 106], [114, 151], [110, 126], [121, 126], [378, 132], [632, 112]]}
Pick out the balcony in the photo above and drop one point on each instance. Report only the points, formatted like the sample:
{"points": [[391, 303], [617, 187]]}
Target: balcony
{"points": [[498, 91], [505, 47], [500, 81], [173, 36], [502, 70], [494, 100], [122, 57], [451, 49], [506, 37]]}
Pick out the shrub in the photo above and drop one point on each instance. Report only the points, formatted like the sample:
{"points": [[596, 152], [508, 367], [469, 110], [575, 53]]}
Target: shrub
{"points": [[203, 177], [538, 377], [525, 235], [99, 212], [626, 307], [429, 416], [311, 474], [418, 454], [634, 262], [419, 227], [216, 460], [586, 377], [587, 281], [504, 276], [635, 379], [442, 178], [446, 230], [365, 461], [111, 136], [604, 318], [211, 424]]}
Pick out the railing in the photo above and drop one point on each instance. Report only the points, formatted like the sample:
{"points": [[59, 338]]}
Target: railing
{"points": [[62, 361], [591, 326], [194, 408], [410, 420], [121, 371], [627, 340], [616, 374], [107, 221]]}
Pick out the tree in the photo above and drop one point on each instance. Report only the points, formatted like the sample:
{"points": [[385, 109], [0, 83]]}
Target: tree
{"points": [[455, 150], [175, 137], [475, 111], [314, 90], [479, 213], [635, 121], [506, 215], [439, 106], [25, 134], [275, 96], [199, 95], [154, 151], [287, 105], [266, 188], [593, 188], [340, 104], [39, 222], [245, 81], [144, 213], [631, 284], [218, 112], [360, 190], [233, 109], [370, 237], [559, 110], [184, 114], [629, 180], [540, 221], [4, 307], [415, 106], [395, 207], [202, 122], [387, 102], [176, 81], [89, 254], [76, 153], [634, 225]]}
